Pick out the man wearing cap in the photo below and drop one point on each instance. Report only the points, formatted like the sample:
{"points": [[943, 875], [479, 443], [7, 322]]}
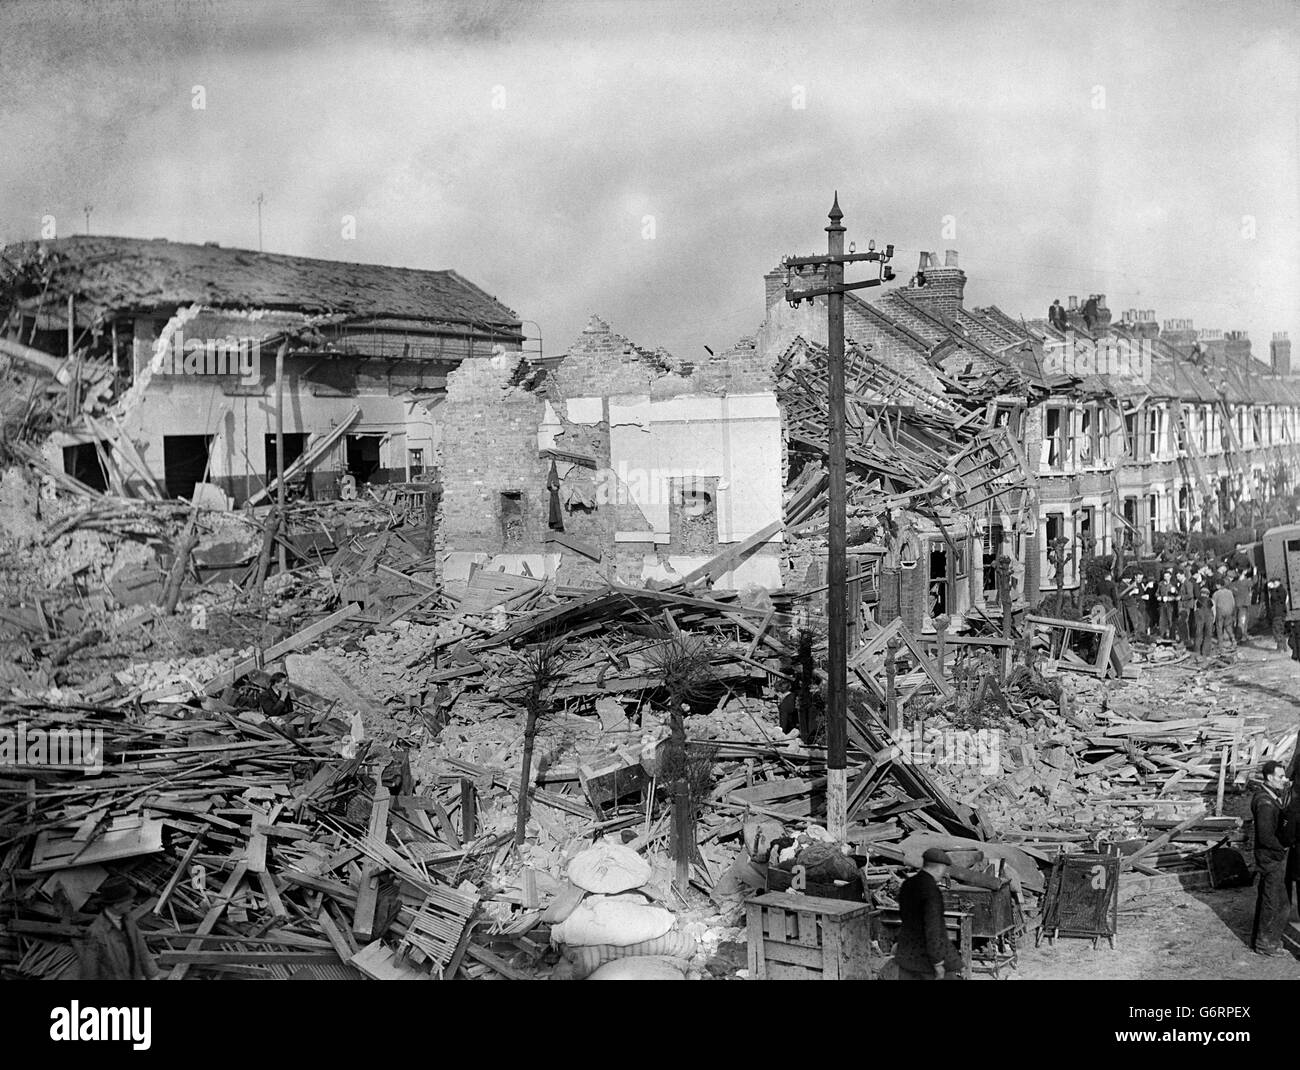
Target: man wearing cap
{"points": [[113, 949], [1271, 909], [1134, 616], [923, 951]]}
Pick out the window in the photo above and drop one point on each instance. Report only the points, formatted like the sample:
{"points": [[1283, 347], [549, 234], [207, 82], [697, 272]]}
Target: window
{"points": [[1054, 438], [414, 464], [693, 514], [1087, 436], [938, 592], [994, 537], [1131, 435], [514, 529], [1153, 517], [1153, 432]]}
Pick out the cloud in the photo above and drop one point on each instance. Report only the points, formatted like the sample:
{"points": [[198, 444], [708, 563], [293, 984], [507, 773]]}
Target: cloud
{"points": [[982, 116]]}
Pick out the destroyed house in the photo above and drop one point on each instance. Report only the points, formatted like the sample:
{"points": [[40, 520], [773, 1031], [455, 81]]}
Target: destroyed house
{"points": [[615, 462], [939, 484], [185, 338]]}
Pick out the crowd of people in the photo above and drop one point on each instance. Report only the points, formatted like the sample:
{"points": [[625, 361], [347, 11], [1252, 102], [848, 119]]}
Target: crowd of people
{"points": [[1202, 604]]}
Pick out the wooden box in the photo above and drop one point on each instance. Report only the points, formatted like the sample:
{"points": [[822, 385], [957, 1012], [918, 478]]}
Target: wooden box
{"points": [[806, 938], [992, 913]]}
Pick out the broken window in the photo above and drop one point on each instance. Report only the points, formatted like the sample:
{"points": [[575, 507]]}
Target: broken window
{"points": [[693, 515], [82, 463], [938, 601], [1153, 518], [414, 464], [1131, 434], [1054, 438], [514, 528], [1153, 433], [185, 460], [993, 539]]}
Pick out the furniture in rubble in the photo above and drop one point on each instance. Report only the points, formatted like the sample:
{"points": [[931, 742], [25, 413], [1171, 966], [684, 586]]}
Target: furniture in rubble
{"points": [[1082, 897], [807, 938]]}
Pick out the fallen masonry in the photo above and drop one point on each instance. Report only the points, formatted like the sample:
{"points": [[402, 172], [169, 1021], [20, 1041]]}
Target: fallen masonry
{"points": [[325, 779]]}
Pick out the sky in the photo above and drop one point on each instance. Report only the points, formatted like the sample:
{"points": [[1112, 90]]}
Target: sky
{"points": [[648, 162]]}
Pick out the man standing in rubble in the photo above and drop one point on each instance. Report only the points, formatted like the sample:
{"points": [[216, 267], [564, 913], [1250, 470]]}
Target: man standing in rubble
{"points": [[1225, 612], [1167, 594], [1134, 616], [1271, 844], [923, 951], [113, 949], [1242, 589], [1186, 600]]}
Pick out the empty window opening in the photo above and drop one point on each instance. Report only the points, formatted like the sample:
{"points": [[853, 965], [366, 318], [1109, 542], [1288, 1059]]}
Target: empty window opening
{"points": [[513, 527], [938, 579]]}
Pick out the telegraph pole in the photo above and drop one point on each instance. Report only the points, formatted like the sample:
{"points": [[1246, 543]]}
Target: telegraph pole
{"points": [[832, 266]]}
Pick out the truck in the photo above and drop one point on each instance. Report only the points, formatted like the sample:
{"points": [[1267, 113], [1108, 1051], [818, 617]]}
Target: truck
{"points": [[1282, 562]]}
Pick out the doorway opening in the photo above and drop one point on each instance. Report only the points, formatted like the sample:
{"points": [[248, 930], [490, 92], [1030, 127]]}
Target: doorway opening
{"points": [[185, 459], [363, 458]]}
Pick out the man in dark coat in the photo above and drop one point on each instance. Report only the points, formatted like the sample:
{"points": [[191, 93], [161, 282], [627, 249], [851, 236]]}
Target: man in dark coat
{"points": [[923, 951], [1271, 908], [113, 949], [1186, 603]]}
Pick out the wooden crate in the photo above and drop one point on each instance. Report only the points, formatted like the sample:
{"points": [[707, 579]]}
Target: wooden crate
{"points": [[806, 938]]}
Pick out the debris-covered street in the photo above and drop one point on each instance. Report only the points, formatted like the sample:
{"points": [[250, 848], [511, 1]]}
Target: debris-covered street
{"points": [[648, 491]]}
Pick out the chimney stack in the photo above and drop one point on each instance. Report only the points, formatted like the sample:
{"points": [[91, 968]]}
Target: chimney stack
{"points": [[1236, 350], [1279, 352], [945, 286]]}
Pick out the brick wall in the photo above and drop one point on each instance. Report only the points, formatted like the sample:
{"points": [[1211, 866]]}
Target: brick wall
{"points": [[489, 446]]}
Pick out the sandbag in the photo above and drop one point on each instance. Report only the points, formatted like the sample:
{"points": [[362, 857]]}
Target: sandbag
{"points": [[674, 945], [608, 868], [565, 903], [639, 968], [620, 920]]}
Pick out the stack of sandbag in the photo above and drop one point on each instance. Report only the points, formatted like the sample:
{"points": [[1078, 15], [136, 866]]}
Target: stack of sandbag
{"points": [[608, 927]]}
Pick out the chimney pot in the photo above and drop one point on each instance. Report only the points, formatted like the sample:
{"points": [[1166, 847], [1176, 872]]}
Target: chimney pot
{"points": [[950, 258]]}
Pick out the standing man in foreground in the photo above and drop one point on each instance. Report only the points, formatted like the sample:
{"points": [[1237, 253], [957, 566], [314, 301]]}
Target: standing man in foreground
{"points": [[923, 951], [1271, 906], [113, 949]]}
